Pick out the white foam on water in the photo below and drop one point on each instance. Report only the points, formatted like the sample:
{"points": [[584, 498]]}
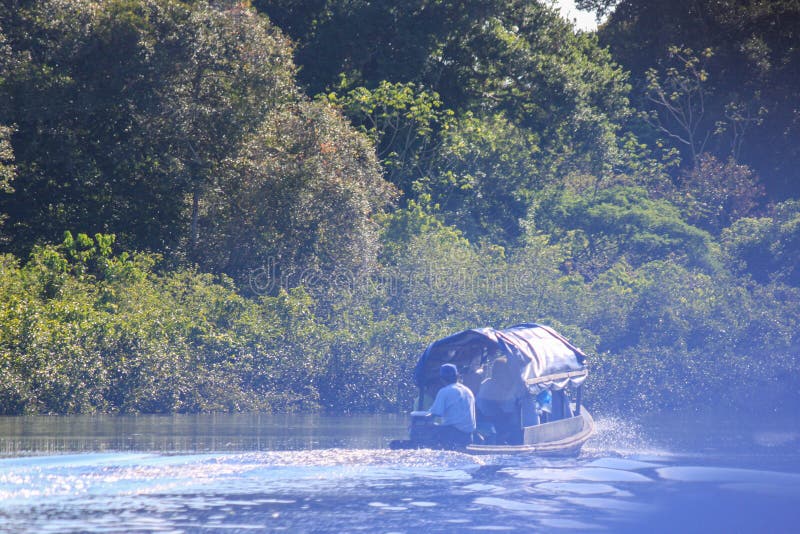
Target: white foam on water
{"points": [[23, 480], [423, 504], [131, 475], [350, 489], [614, 436]]}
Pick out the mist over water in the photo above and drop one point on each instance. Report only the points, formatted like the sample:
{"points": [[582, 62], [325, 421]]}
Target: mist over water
{"points": [[337, 475]]}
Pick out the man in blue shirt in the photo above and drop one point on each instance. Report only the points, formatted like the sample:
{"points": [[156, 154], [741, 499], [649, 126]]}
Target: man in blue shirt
{"points": [[455, 405]]}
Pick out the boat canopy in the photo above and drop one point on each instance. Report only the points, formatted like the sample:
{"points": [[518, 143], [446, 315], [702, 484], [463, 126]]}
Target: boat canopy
{"points": [[543, 358]]}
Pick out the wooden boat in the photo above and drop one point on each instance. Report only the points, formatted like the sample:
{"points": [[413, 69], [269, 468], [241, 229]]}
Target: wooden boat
{"points": [[564, 437], [543, 363]]}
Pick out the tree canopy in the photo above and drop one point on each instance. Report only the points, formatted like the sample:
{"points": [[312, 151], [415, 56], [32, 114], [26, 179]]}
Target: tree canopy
{"points": [[275, 205], [749, 87]]}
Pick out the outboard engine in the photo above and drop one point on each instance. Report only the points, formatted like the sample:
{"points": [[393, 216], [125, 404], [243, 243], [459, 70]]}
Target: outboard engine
{"points": [[420, 433]]}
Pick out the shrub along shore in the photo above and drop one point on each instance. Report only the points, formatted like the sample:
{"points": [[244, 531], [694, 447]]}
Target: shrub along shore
{"points": [[84, 330]]}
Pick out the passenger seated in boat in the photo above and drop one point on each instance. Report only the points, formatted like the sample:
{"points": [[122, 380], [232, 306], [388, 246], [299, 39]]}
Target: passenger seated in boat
{"points": [[455, 405], [472, 377], [544, 405], [499, 400], [553, 405]]}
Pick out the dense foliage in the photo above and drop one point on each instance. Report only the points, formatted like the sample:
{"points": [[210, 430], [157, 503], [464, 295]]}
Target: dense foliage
{"points": [[191, 222], [744, 84]]}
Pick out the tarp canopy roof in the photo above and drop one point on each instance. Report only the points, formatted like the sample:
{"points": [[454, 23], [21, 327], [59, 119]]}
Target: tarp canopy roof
{"points": [[542, 356]]}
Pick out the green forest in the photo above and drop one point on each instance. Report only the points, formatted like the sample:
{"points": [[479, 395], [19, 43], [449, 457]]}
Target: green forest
{"points": [[275, 205]]}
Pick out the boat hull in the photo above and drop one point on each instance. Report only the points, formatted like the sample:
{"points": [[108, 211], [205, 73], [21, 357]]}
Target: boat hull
{"points": [[564, 437]]}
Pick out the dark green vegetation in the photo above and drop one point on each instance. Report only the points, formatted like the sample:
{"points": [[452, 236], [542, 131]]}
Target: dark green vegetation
{"points": [[194, 222]]}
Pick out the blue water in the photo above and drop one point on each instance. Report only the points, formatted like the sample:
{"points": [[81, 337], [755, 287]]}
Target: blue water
{"points": [[318, 474]]}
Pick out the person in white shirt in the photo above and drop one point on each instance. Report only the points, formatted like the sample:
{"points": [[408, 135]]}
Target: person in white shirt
{"points": [[499, 400], [455, 405]]}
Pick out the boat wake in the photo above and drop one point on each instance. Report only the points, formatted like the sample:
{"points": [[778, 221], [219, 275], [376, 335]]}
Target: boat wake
{"points": [[615, 436], [619, 483]]}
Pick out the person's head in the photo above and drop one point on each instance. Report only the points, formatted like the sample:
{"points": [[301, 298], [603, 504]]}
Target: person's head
{"points": [[448, 373]]}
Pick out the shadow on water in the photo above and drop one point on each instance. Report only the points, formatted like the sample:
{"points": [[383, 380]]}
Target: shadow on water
{"points": [[335, 474]]}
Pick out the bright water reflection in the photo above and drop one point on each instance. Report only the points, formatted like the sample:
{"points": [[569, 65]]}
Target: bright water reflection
{"points": [[321, 474]]}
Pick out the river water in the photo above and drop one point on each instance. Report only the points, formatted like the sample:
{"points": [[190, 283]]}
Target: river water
{"points": [[257, 473]]}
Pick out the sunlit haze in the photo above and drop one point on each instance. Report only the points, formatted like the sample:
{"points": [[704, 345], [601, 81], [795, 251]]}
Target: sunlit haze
{"points": [[583, 19]]}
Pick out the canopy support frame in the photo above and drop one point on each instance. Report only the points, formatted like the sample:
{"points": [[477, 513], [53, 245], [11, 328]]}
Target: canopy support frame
{"points": [[558, 376]]}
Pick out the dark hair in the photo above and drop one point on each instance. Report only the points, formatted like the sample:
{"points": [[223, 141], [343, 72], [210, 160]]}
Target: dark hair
{"points": [[448, 373]]}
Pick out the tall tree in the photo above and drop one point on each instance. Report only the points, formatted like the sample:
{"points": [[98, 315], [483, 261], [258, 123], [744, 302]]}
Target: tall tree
{"points": [[294, 204], [125, 108], [218, 74], [6, 152], [753, 96], [8, 61], [411, 72]]}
